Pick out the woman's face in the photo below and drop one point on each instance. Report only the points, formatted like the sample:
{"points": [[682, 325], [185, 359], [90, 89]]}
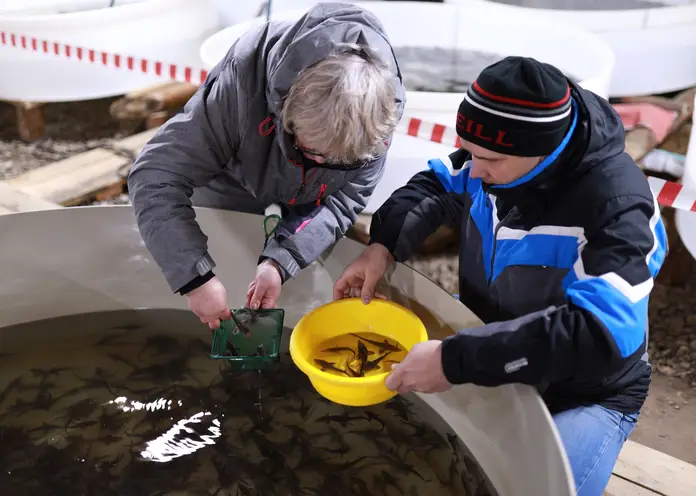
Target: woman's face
{"points": [[319, 158], [311, 154]]}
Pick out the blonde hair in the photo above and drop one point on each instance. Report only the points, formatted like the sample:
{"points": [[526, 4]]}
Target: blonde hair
{"points": [[344, 106]]}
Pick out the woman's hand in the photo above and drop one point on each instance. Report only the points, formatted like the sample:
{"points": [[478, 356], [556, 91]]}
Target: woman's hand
{"points": [[264, 290]]}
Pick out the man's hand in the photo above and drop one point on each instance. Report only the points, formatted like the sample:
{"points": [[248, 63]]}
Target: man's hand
{"points": [[264, 290], [360, 278], [209, 303], [421, 370]]}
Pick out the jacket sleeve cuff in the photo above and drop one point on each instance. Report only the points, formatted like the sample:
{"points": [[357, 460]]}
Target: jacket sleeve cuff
{"points": [[382, 237], [281, 256], [179, 276], [458, 359], [389, 245], [196, 283]]}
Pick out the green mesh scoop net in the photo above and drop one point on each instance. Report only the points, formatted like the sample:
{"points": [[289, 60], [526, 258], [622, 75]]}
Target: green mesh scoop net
{"points": [[250, 340]]}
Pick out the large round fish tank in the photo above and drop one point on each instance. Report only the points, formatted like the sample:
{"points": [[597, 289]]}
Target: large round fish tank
{"points": [[654, 40], [451, 43], [92, 261], [169, 31], [685, 220]]}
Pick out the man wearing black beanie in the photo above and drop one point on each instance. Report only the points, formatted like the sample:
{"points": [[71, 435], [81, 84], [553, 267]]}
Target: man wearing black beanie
{"points": [[561, 242]]}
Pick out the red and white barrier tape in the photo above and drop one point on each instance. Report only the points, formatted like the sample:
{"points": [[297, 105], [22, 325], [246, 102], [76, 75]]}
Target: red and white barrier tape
{"points": [[175, 72], [669, 194]]}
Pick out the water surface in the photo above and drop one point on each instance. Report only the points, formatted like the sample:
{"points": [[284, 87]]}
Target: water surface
{"points": [[443, 69], [129, 403]]}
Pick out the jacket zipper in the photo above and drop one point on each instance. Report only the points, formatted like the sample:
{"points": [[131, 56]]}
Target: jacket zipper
{"points": [[304, 181], [322, 190], [510, 216]]}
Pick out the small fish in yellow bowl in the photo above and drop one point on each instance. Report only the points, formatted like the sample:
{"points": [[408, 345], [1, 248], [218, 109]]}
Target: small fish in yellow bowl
{"points": [[347, 348]]}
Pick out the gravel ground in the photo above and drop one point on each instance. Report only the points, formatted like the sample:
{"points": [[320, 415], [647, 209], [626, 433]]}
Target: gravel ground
{"points": [[71, 128], [673, 330], [77, 127], [121, 199]]}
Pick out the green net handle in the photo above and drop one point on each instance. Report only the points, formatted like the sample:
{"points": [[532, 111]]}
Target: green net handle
{"points": [[272, 217]]}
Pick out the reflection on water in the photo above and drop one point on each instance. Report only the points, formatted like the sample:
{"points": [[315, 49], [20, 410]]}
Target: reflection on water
{"points": [[443, 69], [129, 403]]}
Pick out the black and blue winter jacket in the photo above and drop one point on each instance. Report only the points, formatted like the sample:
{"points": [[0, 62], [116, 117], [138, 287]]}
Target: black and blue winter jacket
{"points": [[558, 264]]}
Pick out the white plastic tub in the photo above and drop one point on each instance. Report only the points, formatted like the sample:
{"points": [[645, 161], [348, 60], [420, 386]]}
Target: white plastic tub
{"points": [[236, 11], [33, 7], [686, 221], [89, 259], [469, 27], [166, 30], [655, 47]]}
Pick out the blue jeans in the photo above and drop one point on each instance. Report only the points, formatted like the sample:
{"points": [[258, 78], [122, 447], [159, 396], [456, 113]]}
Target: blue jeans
{"points": [[593, 437]]}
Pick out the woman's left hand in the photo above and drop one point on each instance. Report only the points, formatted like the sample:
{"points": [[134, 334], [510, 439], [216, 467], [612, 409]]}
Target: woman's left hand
{"points": [[264, 290]]}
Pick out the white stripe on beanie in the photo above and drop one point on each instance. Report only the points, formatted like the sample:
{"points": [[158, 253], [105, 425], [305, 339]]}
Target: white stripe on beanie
{"points": [[484, 108]]}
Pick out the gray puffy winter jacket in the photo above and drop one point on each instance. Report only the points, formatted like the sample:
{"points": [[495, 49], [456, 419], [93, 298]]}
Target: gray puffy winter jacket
{"points": [[227, 149]]}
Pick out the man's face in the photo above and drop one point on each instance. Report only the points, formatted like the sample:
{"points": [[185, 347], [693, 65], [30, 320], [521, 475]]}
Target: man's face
{"points": [[496, 168]]}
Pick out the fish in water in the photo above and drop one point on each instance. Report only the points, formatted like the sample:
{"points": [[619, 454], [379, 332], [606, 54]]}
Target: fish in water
{"points": [[383, 346], [331, 367], [339, 349], [231, 350], [241, 326], [370, 365], [161, 345], [196, 417], [339, 355]]}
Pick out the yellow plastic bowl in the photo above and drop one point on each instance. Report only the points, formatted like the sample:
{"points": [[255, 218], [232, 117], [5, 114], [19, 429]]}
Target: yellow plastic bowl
{"points": [[345, 316]]}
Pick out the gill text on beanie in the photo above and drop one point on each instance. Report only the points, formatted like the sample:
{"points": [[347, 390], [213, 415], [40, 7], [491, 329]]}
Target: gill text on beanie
{"points": [[517, 106]]}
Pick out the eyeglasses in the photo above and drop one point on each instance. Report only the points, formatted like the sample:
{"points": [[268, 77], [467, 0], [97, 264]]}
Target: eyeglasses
{"points": [[327, 163]]}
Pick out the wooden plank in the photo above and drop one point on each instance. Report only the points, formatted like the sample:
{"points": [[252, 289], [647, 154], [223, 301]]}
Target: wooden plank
{"points": [[12, 200], [73, 177], [136, 142], [30, 121], [659, 472], [81, 174], [59, 169], [102, 194], [139, 105], [622, 487]]}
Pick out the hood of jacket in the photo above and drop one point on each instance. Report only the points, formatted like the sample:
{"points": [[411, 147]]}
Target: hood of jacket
{"points": [[314, 37], [602, 134]]}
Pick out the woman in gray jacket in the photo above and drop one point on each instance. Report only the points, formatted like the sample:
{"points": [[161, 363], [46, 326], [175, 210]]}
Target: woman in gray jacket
{"points": [[299, 114]]}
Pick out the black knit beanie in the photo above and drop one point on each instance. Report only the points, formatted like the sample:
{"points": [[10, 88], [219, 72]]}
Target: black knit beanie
{"points": [[517, 106]]}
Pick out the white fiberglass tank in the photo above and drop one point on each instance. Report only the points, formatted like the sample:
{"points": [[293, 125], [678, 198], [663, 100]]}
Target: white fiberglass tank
{"points": [[82, 260], [169, 31], [441, 49], [685, 220], [654, 40]]}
